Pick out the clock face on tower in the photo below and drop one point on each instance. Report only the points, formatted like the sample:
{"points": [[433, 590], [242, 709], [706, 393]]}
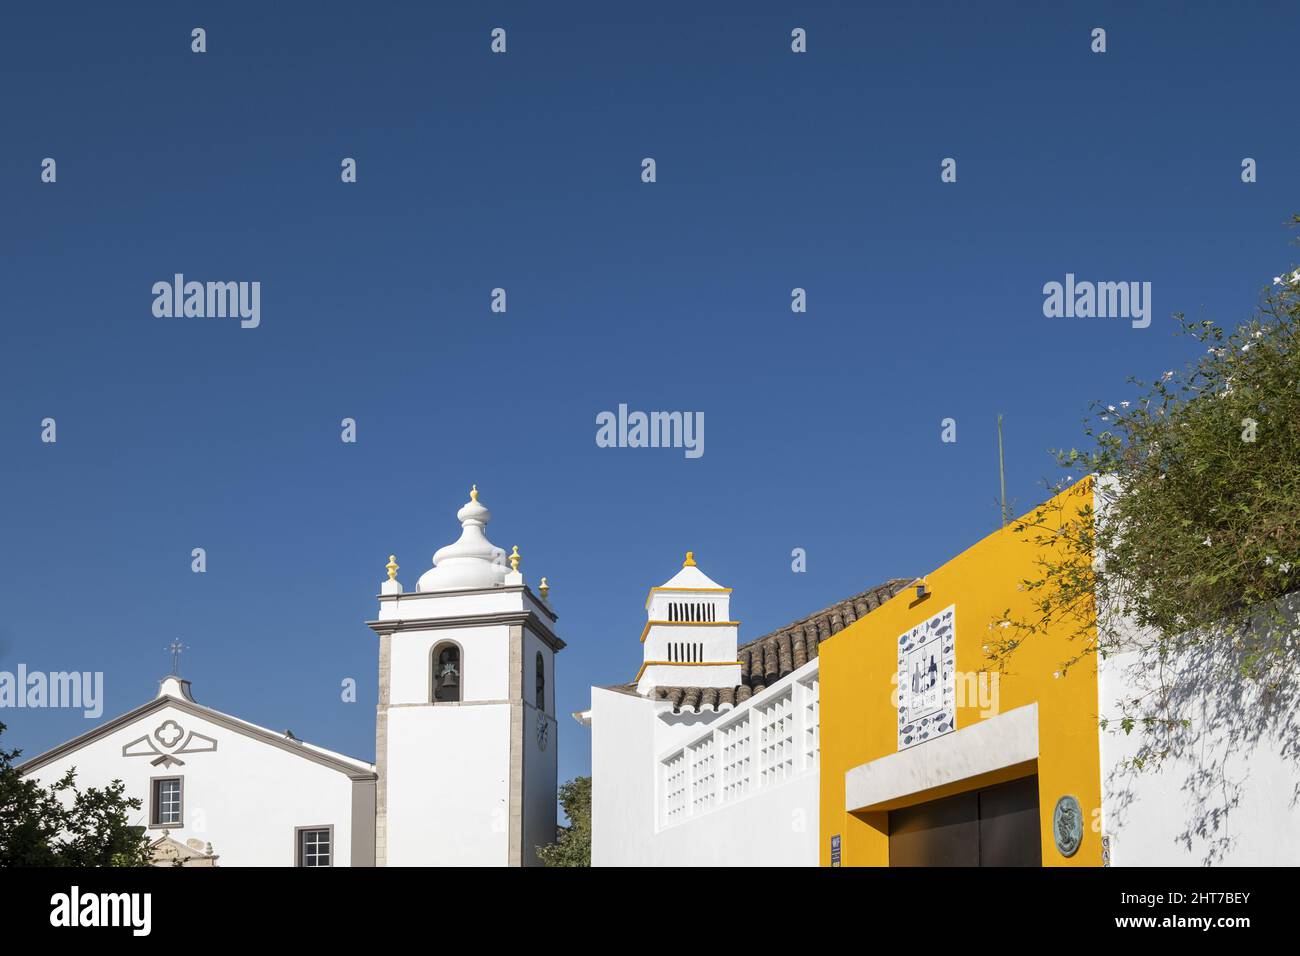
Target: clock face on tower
{"points": [[543, 730]]}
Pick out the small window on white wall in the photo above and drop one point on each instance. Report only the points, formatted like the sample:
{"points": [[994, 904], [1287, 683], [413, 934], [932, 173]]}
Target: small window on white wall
{"points": [[315, 846], [166, 802], [540, 667]]}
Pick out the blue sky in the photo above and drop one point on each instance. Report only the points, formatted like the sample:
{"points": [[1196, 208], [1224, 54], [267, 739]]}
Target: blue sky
{"points": [[522, 171]]}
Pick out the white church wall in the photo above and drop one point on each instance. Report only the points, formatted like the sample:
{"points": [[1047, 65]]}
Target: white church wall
{"points": [[448, 777], [484, 662], [540, 751], [540, 788], [1226, 795], [246, 797], [414, 605]]}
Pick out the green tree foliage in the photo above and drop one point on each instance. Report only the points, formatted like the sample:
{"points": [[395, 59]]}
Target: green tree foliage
{"points": [[63, 826], [1197, 540], [573, 846]]}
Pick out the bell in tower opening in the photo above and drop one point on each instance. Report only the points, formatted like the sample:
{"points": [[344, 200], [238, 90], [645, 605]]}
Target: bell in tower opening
{"points": [[446, 674]]}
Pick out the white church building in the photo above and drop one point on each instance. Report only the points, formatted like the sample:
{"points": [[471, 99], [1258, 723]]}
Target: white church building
{"points": [[709, 757], [465, 741]]}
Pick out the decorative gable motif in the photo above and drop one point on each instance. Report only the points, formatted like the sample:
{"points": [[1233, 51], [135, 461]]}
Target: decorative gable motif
{"points": [[167, 741]]}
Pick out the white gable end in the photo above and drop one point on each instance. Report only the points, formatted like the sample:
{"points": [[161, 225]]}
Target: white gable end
{"points": [[242, 788]]}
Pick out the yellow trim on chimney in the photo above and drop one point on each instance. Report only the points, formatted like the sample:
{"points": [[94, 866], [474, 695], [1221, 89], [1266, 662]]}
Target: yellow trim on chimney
{"points": [[683, 664], [646, 629]]}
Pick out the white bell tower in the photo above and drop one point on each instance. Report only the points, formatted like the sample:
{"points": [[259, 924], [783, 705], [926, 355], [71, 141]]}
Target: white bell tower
{"points": [[689, 638], [465, 734]]}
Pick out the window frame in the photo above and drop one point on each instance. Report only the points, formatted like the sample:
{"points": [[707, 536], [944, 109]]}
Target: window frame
{"points": [[155, 803], [298, 850]]}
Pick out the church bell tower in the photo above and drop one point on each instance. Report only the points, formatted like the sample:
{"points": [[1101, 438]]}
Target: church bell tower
{"points": [[465, 734]]}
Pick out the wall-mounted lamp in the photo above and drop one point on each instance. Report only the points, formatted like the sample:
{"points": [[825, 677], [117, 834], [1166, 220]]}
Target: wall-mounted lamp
{"points": [[921, 590]]}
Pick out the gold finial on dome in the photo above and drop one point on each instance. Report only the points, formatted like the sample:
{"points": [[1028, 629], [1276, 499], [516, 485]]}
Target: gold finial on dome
{"points": [[544, 588], [690, 560], [473, 493], [392, 567], [514, 559]]}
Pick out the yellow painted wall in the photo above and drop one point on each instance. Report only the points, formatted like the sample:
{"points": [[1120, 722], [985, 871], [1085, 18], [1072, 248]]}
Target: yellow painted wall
{"points": [[859, 718]]}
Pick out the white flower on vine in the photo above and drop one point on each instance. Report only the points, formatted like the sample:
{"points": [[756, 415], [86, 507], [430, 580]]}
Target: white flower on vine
{"points": [[1207, 541], [1110, 408], [1246, 347], [1004, 624], [1285, 568], [1123, 404], [1268, 559], [1168, 375]]}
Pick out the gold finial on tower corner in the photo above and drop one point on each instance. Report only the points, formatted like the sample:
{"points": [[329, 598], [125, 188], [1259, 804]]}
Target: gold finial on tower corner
{"points": [[392, 567], [514, 559], [473, 493], [545, 589], [690, 560]]}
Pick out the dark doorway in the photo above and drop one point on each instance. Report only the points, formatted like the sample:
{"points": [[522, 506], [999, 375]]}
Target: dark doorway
{"points": [[996, 826]]}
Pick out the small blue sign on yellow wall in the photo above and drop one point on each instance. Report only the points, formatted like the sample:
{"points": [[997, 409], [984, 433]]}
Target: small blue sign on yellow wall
{"points": [[835, 850]]}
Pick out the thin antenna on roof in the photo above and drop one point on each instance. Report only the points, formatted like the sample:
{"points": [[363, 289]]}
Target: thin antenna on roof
{"points": [[1002, 474]]}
